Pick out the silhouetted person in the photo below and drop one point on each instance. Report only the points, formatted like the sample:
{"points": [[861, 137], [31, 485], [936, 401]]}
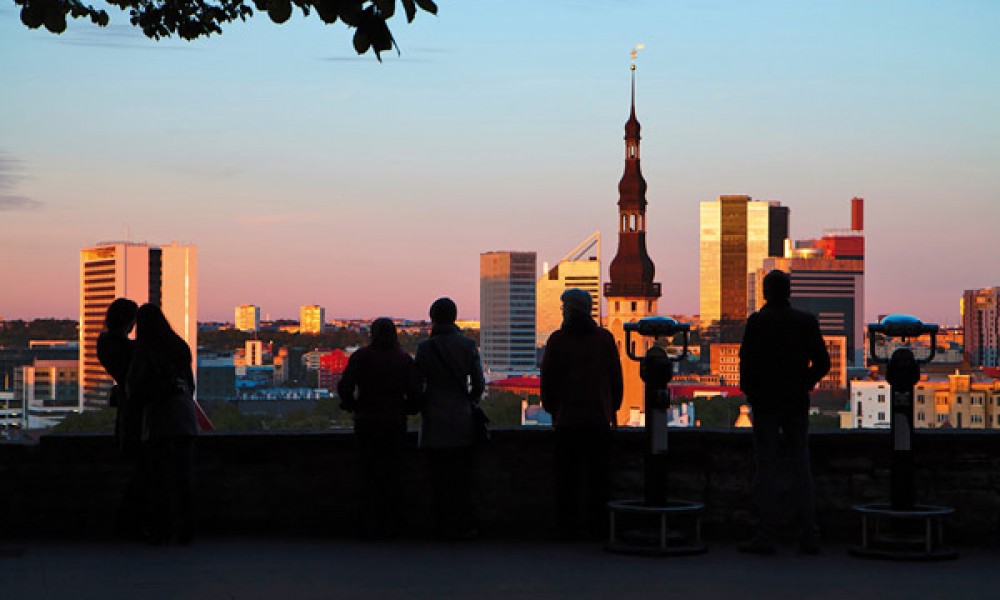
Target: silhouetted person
{"points": [[115, 350], [581, 388], [380, 386], [782, 358], [161, 379], [453, 382]]}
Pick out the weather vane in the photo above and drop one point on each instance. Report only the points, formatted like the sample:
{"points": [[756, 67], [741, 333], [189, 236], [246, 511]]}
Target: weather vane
{"points": [[635, 52]]}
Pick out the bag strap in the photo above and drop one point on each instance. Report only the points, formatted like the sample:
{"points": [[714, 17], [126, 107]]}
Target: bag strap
{"points": [[457, 378]]}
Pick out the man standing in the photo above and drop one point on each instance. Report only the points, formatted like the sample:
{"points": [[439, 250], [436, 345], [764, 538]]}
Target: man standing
{"points": [[582, 389], [782, 358]]}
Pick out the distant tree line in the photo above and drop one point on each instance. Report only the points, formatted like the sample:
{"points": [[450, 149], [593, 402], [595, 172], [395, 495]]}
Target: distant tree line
{"points": [[16, 333]]}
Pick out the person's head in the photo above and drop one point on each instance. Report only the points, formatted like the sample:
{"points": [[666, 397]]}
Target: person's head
{"points": [[151, 325], [384, 334], [777, 286], [120, 317], [576, 302], [443, 311]]}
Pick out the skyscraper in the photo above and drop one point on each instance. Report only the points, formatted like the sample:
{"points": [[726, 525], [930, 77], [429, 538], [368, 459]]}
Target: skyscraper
{"points": [[507, 313], [248, 317], [162, 275], [981, 321], [580, 268], [631, 292], [312, 318], [737, 234], [828, 280]]}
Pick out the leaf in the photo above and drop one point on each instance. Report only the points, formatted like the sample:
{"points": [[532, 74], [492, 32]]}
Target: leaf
{"points": [[386, 8], [361, 41], [428, 5], [350, 12], [411, 10], [327, 10], [32, 16], [279, 10]]}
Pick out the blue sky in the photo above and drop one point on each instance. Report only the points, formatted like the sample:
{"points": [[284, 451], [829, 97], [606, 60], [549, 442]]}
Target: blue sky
{"points": [[307, 174]]}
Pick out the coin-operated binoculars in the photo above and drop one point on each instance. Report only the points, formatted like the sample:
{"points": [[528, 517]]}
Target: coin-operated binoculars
{"points": [[656, 370], [902, 529]]}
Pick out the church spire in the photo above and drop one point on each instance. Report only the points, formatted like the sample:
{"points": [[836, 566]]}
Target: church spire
{"points": [[632, 271]]}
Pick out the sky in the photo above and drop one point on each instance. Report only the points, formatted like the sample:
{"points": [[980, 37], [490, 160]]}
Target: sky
{"points": [[307, 174]]}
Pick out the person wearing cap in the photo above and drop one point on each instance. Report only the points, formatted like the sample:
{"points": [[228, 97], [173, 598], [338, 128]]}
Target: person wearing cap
{"points": [[581, 387], [782, 358]]}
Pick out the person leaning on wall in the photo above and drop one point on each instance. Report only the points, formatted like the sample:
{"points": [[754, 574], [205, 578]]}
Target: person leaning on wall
{"points": [[162, 380], [114, 351], [380, 386], [453, 382]]}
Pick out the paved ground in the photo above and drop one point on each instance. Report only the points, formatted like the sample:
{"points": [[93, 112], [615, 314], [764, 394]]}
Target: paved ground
{"points": [[297, 569]]}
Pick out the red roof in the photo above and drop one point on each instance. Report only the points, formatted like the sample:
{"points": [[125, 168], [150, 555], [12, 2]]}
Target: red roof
{"points": [[518, 382]]}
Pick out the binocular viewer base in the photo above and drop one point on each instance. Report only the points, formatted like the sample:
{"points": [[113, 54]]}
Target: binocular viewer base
{"points": [[893, 534], [637, 527]]}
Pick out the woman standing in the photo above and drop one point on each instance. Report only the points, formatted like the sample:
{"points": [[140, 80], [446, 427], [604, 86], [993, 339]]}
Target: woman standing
{"points": [[453, 383], [380, 386], [162, 380], [114, 350]]}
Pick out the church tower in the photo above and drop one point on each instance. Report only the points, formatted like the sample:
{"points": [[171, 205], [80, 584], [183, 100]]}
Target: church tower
{"points": [[631, 293]]}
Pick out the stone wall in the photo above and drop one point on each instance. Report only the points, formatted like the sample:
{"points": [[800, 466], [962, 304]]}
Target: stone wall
{"points": [[266, 484]]}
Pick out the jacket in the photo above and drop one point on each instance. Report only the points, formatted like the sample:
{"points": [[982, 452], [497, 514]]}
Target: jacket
{"points": [[452, 381], [379, 385], [581, 382], [782, 357], [161, 379]]}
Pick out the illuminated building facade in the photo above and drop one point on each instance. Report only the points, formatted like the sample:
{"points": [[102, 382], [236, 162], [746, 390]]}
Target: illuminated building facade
{"points": [[248, 317], [162, 275], [581, 269], [507, 313], [312, 318], [981, 322], [736, 234]]}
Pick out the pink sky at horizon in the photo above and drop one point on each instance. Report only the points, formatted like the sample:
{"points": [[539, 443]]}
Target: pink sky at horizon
{"points": [[307, 175]]}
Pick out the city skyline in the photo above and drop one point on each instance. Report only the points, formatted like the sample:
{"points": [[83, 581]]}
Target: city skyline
{"points": [[306, 174]]}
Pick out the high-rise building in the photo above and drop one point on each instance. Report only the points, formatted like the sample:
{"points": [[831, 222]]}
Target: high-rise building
{"points": [[828, 280], [248, 317], [507, 313], [737, 234], [581, 269], [312, 319], [631, 293], [162, 275], [981, 321]]}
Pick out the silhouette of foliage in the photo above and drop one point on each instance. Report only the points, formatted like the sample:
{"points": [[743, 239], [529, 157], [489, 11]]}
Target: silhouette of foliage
{"points": [[192, 19], [99, 420], [16, 333]]}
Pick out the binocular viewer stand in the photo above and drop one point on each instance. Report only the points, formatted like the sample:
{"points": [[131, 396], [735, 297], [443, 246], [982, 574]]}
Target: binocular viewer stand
{"points": [[655, 525], [902, 529]]}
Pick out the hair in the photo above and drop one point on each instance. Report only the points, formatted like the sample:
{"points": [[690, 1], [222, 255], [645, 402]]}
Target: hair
{"points": [[577, 301], [120, 315], [777, 286], [443, 311], [384, 334], [152, 328]]}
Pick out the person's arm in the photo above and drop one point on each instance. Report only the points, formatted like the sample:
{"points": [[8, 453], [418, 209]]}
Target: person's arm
{"points": [[749, 355], [819, 358], [477, 381], [414, 388], [550, 399], [615, 374], [348, 383]]}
